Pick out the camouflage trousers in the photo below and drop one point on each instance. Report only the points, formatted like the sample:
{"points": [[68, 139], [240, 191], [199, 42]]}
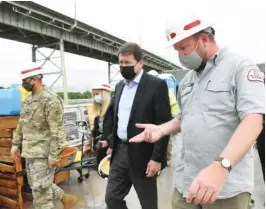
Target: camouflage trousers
{"points": [[41, 179]]}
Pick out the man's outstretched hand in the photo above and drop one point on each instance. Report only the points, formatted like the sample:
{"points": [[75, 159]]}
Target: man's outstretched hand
{"points": [[151, 134]]}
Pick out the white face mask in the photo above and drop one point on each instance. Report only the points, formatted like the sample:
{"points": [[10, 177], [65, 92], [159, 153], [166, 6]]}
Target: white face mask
{"points": [[192, 61]]}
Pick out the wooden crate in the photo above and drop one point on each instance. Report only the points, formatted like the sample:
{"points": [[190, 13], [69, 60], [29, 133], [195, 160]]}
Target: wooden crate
{"points": [[11, 180], [8, 122], [11, 183], [6, 133]]}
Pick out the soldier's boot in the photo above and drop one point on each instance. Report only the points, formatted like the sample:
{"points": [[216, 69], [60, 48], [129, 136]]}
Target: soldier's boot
{"points": [[68, 201]]}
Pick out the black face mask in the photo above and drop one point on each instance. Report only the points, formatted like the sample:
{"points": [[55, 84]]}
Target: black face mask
{"points": [[27, 86], [127, 72]]}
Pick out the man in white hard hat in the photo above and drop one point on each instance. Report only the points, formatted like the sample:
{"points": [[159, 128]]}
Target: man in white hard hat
{"points": [[222, 106], [40, 138]]}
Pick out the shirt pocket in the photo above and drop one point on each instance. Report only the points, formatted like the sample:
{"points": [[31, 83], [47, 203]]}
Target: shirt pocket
{"points": [[186, 95], [29, 112], [217, 97], [38, 116]]}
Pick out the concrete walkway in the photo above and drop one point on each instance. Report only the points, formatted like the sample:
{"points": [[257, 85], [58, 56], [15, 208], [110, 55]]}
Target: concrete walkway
{"points": [[91, 191]]}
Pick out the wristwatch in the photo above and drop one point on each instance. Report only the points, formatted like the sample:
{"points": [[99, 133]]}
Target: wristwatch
{"points": [[225, 163]]}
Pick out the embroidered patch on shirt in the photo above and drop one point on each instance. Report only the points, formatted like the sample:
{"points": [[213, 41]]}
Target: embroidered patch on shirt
{"points": [[255, 75]]}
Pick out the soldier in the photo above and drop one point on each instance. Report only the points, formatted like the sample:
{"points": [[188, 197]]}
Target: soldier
{"points": [[40, 139]]}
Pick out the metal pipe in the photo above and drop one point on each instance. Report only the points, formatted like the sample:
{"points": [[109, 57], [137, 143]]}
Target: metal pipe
{"points": [[53, 19], [63, 68], [33, 53], [48, 45], [49, 58], [55, 81], [109, 72], [48, 23]]}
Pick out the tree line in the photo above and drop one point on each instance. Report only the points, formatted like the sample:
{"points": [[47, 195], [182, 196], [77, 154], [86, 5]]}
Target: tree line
{"points": [[76, 95]]}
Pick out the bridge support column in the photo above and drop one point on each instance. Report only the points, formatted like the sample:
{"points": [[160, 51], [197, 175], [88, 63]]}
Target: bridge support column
{"points": [[62, 69]]}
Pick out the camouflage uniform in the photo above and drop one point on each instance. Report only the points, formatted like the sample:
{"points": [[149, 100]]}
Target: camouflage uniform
{"points": [[40, 136]]}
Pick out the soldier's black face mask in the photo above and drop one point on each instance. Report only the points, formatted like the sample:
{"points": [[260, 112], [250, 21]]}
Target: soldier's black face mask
{"points": [[27, 86]]}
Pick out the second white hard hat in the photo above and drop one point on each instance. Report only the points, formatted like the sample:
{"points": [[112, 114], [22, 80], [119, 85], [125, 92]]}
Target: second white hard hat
{"points": [[103, 86], [31, 72]]}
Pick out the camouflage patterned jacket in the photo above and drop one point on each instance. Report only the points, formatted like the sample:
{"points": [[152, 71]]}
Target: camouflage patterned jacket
{"points": [[40, 132]]}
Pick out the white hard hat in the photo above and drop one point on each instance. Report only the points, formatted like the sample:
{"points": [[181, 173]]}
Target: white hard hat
{"points": [[179, 29], [104, 86], [30, 72], [153, 72]]}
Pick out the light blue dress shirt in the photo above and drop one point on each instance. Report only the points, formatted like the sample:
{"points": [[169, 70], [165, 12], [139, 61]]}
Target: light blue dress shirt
{"points": [[125, 106]]}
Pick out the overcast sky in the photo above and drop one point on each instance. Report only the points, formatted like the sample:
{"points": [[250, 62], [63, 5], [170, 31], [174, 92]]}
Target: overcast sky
{"points": [[240, 25]]}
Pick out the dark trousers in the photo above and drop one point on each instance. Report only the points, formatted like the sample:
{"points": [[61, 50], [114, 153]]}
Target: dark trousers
{"points": [[261, 151], [121, 179]]}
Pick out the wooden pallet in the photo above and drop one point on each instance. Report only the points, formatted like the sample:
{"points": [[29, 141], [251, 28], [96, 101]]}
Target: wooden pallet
{"points": [[11, 178]]}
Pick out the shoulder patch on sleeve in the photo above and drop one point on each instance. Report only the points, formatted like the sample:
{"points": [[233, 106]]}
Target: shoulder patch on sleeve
{"points": [[255, 75]]}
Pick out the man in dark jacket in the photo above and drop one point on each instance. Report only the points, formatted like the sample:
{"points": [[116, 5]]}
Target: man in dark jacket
{"points": [[139, 97]]}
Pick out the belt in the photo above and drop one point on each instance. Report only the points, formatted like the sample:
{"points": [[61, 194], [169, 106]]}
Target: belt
{"points": [[124, 142]]}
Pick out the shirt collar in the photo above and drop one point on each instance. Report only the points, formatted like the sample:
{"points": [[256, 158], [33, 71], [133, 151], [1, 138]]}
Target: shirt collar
{"points": [[37, 96], [217, 58], [214, 60]]}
